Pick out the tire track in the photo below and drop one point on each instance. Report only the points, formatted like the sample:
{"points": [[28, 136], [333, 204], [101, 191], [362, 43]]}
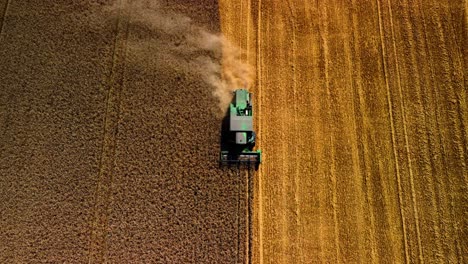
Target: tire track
{"points": [[284, 187], [317, 149], [423, 164], [279, 229], [351, 223], [442, 45], [244, 214], [4, 14], [295, 131], [331, 166], [362, 148], [250, 198], [438, 137], [244, 176], [249, 8], [251, 172], [98, 242], [362, 142], [405, 133], [460, 96], [238, 217], [240, 40], [392, 123], [431, 151], [243, 44]]}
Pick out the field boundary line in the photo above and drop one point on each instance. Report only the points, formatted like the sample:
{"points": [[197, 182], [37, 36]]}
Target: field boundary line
{"points": [[102, 197], [7, 4], [392, 123], [259, 125], [106, 116]]}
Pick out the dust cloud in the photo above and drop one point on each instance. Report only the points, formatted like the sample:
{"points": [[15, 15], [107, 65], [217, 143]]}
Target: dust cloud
{"points": [[209, 55]]}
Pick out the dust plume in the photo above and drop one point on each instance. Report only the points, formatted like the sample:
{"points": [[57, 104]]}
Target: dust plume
{"points": [[181, 41], [227, 75]]}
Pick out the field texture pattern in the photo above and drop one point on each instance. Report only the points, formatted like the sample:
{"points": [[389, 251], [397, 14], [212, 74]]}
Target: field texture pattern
{"points": [[109, 132], [363, 123], [109, 141]]}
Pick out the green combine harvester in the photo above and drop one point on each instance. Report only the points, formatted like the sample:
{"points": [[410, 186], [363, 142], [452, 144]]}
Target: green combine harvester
{"points": [[238, 137]]}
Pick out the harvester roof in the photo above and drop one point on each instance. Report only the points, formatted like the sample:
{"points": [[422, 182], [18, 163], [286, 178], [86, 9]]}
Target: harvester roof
{"points": [[241, 111]]}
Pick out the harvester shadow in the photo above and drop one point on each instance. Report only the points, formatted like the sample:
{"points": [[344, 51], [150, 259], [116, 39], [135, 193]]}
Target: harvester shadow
{"points": [[223, 139]]}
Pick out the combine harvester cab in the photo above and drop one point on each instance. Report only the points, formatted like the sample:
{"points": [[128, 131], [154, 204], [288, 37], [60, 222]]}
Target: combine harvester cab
{"points": [[238, 139]]}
